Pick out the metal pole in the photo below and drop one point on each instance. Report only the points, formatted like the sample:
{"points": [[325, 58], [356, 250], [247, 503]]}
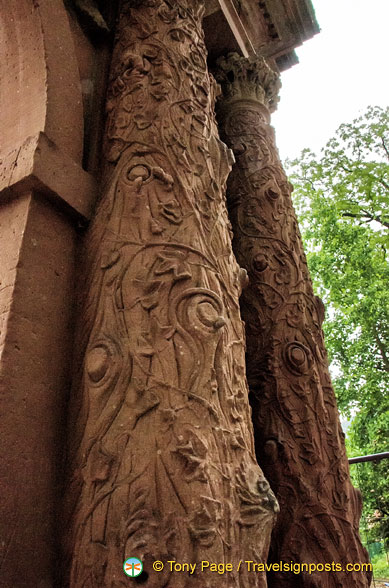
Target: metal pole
{"points": [[373, 457]]}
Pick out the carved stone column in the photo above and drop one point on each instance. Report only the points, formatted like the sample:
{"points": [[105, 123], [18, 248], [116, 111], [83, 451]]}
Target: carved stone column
{"points": [[299, 441], [161, 446]]}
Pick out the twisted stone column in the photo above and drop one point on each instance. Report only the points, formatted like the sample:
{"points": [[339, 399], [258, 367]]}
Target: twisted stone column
{"points": [[299, 441], [161, 449]]}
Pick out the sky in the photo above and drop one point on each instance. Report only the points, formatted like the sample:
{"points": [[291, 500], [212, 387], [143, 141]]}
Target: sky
{"points": [[342, 70]]}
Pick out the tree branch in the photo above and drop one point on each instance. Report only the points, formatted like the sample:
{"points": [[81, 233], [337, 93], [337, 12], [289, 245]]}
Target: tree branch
{"points": [[382, 351], [385, 147], [369, 174], [368, 216]]}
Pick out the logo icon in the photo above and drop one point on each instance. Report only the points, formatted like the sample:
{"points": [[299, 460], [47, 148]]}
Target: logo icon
{"points": [[132, 567]]}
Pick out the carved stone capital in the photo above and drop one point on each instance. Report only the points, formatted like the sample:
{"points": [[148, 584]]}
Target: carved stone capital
{"points": [[247, 79]]}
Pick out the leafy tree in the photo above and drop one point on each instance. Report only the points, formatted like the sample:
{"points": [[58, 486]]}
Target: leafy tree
{"points": [[342, 200]]}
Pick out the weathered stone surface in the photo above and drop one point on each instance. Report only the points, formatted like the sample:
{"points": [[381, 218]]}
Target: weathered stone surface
{"points": [[41, 144], [39, 165], [36, 261], [39, 82], [160, 447], [299, 441]]}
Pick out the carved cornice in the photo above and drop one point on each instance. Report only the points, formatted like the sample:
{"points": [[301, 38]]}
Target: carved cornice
{"points": [[247, 79], [270, 28]]}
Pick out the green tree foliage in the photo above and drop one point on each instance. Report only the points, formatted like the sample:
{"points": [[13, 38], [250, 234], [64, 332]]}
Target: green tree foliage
{"points": [[342, 200]]}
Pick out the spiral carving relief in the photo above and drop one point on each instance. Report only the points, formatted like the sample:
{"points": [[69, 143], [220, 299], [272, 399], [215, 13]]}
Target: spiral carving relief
{"points": [[161, 464], [299, 441]]}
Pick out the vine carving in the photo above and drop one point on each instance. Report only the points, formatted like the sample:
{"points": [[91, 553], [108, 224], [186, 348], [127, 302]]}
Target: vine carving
{"points": [[299, 441], [161, 454]]}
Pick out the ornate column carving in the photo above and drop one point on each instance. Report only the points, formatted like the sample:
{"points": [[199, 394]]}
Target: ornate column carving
{"points": [[161, 447], [299, 441]]}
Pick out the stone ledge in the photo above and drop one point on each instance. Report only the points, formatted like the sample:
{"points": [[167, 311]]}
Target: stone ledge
{"points": [[38, 164]]}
